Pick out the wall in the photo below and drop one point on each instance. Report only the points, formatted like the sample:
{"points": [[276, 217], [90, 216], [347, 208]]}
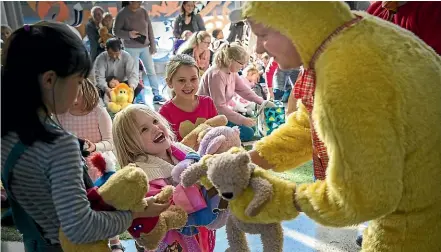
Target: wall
{"points": [[162, 14]]}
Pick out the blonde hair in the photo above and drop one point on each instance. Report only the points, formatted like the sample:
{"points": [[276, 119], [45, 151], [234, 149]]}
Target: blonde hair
{"points": [[174, 64], [90, 95], [265, 56], [251, 69], [184, 34], [126, 134], [195, 39], [227, 53]]}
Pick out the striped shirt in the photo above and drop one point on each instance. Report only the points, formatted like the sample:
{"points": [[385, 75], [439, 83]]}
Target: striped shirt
{"points": [[47, 182]]}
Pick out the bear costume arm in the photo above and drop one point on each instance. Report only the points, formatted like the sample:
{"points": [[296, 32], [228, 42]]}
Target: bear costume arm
{"points": [[362, 130], [290, 145]]}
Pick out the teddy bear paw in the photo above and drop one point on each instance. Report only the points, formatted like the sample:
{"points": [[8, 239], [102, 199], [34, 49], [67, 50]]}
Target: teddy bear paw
{"points": [[175, 217], [165, 194]]}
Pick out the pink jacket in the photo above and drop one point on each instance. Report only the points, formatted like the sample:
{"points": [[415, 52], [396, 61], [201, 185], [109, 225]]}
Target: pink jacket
{"points": [[222, 87]]}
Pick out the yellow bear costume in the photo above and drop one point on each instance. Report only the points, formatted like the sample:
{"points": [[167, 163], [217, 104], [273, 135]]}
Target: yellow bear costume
{"points": [[377, 109]]}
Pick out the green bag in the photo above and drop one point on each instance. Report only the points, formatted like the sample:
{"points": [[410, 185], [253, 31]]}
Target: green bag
{"points": [[270, 119]]}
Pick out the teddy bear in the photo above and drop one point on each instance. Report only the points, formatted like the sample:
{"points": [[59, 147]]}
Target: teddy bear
{"points": [[125, 190], [120, 97], [104, 35], [193, 138], [257, 199], [215, 140]]}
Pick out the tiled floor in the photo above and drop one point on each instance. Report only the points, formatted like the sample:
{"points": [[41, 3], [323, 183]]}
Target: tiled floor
{"points": [[300, 235]]}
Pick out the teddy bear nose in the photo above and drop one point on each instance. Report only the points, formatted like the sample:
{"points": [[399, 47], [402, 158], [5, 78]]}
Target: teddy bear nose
{"points": [[227, 195]]}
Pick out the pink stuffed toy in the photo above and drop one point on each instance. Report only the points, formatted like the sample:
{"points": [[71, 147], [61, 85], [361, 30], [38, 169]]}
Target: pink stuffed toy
{"points": [[216, 140]]}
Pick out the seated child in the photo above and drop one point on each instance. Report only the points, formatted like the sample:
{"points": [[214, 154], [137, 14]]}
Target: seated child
{"points": [[250, 77], [112, 82], [184, 37], [144, 137], [90, 122], [185, 110]]}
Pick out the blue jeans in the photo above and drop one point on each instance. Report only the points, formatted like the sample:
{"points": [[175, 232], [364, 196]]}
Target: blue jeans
{"points": [[246, 133], [147, 60]]}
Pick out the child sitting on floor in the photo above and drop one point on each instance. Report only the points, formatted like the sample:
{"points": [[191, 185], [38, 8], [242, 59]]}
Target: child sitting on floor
{"points": [[185, 110], [89, 121], [144, 137]]}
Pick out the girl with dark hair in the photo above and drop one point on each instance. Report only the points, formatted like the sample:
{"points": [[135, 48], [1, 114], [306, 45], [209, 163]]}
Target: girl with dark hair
{"points": [[188, 20], [41, 164]]}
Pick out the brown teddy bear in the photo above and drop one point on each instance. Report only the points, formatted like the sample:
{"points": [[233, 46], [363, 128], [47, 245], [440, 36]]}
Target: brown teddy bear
{"points": [[257, 199], [194, 138], [104, 35], [126, 190]]}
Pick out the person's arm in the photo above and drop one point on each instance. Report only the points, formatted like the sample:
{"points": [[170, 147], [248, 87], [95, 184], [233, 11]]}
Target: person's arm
{"points": [[200, 22], [100, 72], [105, 127], [366, 153], [429, 21], [118, 25], [245, 91], [77, 220], [150, 31], [217, 92], [132, 72], [288, 146], [176, 29], [93, 39]]}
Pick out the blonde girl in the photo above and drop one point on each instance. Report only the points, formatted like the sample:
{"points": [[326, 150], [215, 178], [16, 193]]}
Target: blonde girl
{"points": [[197, 47], [144, 137], [222, 81], [186, 109], [108, 21]]}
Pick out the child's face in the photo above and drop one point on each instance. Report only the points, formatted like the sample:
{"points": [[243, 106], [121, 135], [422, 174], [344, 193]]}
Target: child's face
{"points": [[154, 135], [65, 91], [113, 83], [78, 103], [220, 35], [185, 82], [188, 35], [253, 77], [5, 34], [107, 21]]}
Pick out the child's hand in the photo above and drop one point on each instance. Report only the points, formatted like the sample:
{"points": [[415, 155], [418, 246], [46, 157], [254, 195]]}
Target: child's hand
{"points": [[91, 147], [152, 210], [249, 122]]}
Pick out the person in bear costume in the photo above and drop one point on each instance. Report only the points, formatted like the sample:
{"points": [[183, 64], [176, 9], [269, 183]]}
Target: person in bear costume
{"points": [[369, 115]]}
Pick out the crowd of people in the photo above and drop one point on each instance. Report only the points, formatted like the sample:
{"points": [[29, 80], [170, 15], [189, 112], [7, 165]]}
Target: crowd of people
{"points": [[65, 118]]}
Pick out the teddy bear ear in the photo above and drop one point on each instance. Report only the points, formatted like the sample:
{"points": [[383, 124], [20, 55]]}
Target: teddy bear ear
{"points": [[243, 159]]}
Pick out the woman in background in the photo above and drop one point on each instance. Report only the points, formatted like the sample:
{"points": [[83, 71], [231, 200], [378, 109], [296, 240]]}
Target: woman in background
{"points": [[188, 20]]}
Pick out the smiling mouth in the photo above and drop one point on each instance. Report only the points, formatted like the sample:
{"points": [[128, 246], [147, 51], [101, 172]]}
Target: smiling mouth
{"points": [[159, 138], [187, 91]]}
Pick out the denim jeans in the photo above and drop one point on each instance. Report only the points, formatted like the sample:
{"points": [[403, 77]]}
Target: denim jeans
{"points": [[147, 60]]}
